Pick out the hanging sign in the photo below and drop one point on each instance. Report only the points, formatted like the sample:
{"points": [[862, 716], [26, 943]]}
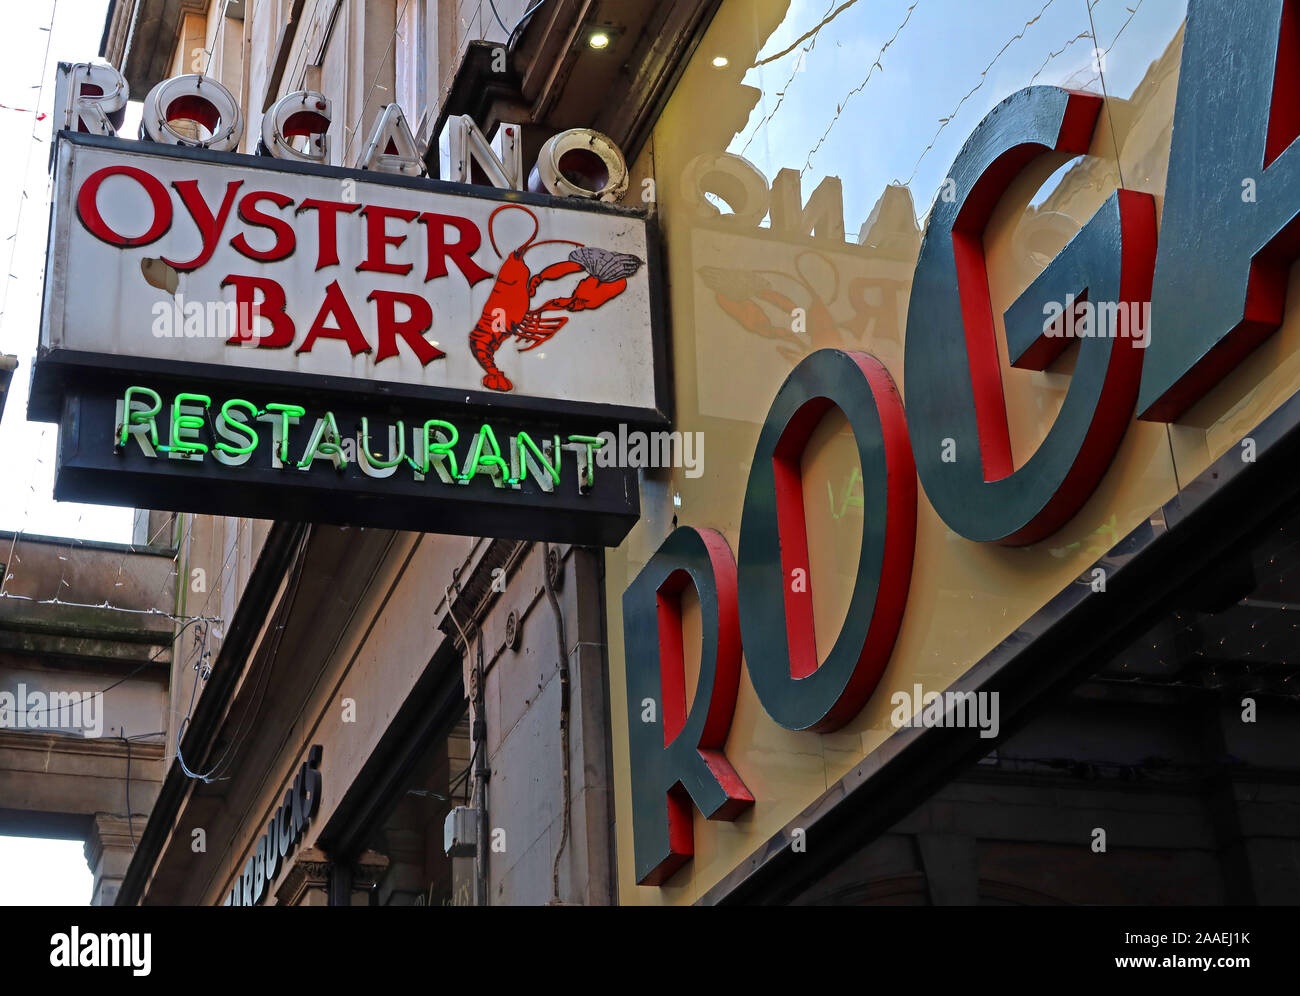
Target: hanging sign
{"points": [[205, 287]]}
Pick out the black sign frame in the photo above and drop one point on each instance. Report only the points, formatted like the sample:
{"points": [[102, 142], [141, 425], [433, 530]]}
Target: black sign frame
{"points": [[92, 467]]}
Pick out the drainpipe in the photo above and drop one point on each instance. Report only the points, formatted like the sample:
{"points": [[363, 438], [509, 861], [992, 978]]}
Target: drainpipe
{"points": [[481, 772], [478, 757], [549, 584]]}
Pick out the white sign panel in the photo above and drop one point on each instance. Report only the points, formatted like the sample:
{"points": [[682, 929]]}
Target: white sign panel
{"points": [[288, 272]]}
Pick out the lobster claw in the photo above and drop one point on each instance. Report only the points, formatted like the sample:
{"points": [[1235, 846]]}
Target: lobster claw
{"points": [[535, 329]]}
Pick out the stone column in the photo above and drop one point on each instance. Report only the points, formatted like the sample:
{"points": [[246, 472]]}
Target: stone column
{"points": [[108, 852]]}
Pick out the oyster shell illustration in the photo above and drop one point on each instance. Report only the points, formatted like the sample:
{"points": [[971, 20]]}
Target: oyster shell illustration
{"points": [[604, 264]]}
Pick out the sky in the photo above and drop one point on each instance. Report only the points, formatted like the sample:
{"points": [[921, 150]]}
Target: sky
{"points": [[29, 53], [830, 106], [36, 872]]}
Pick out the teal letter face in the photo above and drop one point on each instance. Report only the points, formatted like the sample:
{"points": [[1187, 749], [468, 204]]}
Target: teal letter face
{"points": [[677, 754], [776, 614], [1230, 226], [956, 413]]}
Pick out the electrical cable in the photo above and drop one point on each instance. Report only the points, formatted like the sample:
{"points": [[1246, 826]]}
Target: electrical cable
{"points": [[189, 711], [111, 608], [375, 82], [519, 25], [493, 5], [446, 591], [215, 773], [82, 736], [463, 777], [129, 675], [216, 35], [9, 563], [13, 252], [295, 584], [130, 828]]}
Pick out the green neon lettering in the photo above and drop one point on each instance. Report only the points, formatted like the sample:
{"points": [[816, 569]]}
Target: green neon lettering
{"points": [[373, 460], [182, 423], [433, 448], [527, 445], [238, 426], [477, 458], [593, 443], [140, 417], [286, 412], [325, 442], [440, 449]]}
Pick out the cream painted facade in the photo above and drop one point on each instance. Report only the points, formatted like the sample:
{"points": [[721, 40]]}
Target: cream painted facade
{"points": [[877, 101]]}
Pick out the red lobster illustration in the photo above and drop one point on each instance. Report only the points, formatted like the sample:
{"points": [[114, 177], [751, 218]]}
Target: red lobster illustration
{"points": [[508, 310]]}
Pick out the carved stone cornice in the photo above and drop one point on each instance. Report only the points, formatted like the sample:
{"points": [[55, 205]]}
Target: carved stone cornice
{"points": [[310, 869], [368, 869], [473, 592]]}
